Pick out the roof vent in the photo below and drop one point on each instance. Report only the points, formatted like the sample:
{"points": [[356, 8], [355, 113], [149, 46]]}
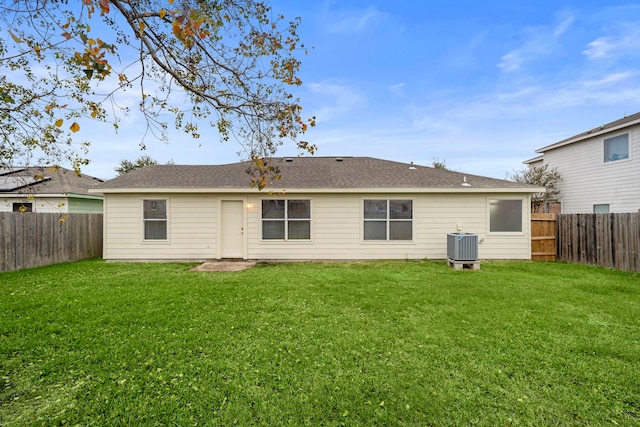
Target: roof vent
{"points": [[411, 167], [339, 159], [465, 183], [288, 159]]}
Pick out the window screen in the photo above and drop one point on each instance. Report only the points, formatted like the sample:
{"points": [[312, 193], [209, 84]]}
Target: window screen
{"points": [[388, 219], [286, 219], [155, 219]]}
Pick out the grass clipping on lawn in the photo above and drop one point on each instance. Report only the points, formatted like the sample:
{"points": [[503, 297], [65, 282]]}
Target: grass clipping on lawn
{"points": [[372, 343]]}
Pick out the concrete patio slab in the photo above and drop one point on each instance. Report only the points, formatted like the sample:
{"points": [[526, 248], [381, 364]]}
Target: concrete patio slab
{"points": [[216, 266]]}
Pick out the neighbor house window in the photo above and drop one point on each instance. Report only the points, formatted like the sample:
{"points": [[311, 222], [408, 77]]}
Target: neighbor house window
{"points": [[286, 219], [388, 220], [23, 207], [601, 208], [505, 215], [616, 148], [155, 219]]}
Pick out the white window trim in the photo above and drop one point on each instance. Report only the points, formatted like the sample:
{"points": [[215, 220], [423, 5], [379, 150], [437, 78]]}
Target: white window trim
{"points": [[143, 220], [629, 150], [286, 220], [387, 241], [593, 206], [523, 219]]}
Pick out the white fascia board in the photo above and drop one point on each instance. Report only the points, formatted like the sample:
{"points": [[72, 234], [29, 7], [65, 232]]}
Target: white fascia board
{"points": [[32, 195], [534, 160], [84, 196], [276, 191], [587, 136]]}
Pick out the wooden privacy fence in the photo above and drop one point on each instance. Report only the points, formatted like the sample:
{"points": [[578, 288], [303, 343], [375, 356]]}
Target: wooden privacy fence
{"points": [[543, 237], [30, 240], [606, 240]]}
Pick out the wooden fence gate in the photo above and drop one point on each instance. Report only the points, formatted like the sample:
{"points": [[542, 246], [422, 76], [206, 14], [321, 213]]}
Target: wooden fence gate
{"points": [[543, 237]]}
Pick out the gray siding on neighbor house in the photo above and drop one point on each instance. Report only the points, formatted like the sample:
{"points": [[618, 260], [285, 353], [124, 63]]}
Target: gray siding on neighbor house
{"points": [[587, 180]]}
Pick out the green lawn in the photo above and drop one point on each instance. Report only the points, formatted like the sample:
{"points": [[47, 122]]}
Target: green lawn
{"points": [[376, 343]]}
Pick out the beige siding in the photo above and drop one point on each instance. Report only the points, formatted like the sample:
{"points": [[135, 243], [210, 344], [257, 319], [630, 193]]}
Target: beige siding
{"points": [[336, 228], [588, 180], [191, 229]]}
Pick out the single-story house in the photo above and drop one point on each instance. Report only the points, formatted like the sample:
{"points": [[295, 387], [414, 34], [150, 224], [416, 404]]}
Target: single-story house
{"points": [[48, 189], [600, 168], [321, 208]]}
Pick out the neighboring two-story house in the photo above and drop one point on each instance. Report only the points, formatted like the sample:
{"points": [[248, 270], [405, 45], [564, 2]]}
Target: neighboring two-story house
{"points": [[43, 189], [600, 168]]}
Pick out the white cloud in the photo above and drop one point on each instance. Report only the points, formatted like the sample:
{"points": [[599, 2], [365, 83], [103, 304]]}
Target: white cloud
{"points": [[397, 89], [611, 78], [511, 61], [517, 95], [608, 46], [335, 99], [563, 26], [434, 124], [489, 134], [354, 21], [599, 48], [455, 115], [539, 42]]}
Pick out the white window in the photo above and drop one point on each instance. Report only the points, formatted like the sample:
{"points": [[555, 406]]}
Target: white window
{"points": [[155, 219], [505, 215], [601, 208], [388, 220], [286, 219], [616, 148]]}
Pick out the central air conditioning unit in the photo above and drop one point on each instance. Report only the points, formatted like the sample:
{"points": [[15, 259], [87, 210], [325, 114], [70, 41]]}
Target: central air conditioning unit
{"points": [[462, 246]]}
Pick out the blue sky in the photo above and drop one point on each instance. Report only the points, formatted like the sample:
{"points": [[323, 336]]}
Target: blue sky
{"points": [[479, 85]]}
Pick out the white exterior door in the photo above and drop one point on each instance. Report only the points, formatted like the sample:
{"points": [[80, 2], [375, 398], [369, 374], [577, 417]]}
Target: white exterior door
{"points": [[232, 230]]}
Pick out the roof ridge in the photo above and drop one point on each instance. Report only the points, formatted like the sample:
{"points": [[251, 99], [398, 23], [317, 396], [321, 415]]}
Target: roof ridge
{"points": [[314, 173]]}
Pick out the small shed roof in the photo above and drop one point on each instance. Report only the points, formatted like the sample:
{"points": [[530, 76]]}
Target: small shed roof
{"points": [[309, 173]]}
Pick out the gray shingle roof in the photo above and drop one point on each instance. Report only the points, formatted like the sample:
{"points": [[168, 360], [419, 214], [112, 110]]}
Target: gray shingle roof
{"points": [[42, 180], [304, 173], [616, 124]]}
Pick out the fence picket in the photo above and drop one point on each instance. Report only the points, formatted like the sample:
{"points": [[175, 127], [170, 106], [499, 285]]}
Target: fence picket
{"points": [[606, 240], [30, 240]]}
